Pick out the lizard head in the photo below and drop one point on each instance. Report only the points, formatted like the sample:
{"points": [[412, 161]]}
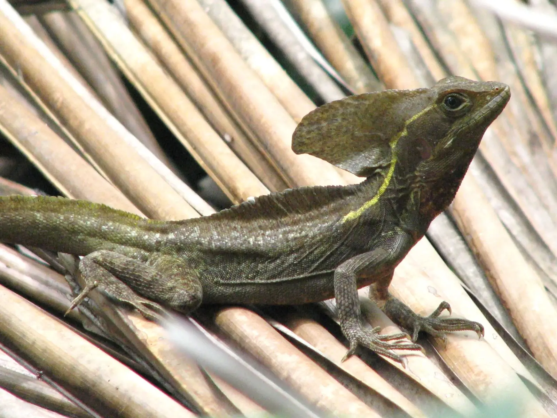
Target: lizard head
{"points": [[447, 136], [432, 133]]}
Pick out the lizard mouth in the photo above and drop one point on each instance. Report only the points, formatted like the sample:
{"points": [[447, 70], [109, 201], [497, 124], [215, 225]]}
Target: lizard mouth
{"points": [[500, 100], [486, 115]]}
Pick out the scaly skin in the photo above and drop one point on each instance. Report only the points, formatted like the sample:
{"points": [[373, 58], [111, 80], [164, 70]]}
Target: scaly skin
{"points": [[302, 245]]}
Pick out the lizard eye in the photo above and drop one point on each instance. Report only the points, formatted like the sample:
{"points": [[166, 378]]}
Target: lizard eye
{"points": [[454, 102]]}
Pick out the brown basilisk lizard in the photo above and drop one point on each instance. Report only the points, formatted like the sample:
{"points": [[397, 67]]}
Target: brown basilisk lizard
{"points": [[301, 245]]}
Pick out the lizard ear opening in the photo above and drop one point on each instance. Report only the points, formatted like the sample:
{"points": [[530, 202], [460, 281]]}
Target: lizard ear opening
{"points": [[347, 133]]}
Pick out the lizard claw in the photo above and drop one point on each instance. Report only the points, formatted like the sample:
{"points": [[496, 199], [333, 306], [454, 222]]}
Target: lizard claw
{"points": [[351, 351]]}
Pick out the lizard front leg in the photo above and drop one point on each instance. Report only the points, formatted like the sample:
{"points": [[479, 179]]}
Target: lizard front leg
{"points": [[162, 280], [348, 304]]}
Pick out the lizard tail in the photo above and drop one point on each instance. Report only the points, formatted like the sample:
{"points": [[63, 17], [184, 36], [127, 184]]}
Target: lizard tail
{"points": [[72, 226]]}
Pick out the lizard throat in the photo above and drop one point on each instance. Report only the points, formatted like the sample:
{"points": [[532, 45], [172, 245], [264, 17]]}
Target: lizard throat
{"points": [[355, 214]]}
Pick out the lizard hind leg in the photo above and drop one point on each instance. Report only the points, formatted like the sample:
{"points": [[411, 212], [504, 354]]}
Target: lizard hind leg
{"points": [[176, 285], [161, 281]]}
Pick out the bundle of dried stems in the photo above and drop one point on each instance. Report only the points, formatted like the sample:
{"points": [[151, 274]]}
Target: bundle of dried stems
{"points": [[225, 97]]}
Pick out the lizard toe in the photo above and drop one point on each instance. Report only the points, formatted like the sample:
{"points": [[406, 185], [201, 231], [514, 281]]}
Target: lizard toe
{"points": [[82, 295], [380, 344], [150, 310], [390, 337]]}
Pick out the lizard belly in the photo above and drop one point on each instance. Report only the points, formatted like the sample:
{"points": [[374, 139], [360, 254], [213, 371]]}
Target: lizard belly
{"points": [[292, 291], [277, 278], [264, 270]]}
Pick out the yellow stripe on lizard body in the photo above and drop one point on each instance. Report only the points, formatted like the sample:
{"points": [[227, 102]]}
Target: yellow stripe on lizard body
{"points": [[393, 142]]}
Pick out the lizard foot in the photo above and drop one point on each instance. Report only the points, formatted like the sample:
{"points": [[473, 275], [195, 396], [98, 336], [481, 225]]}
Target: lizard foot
{"points": [[378, 343], [149, 309], [438, 327]]}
